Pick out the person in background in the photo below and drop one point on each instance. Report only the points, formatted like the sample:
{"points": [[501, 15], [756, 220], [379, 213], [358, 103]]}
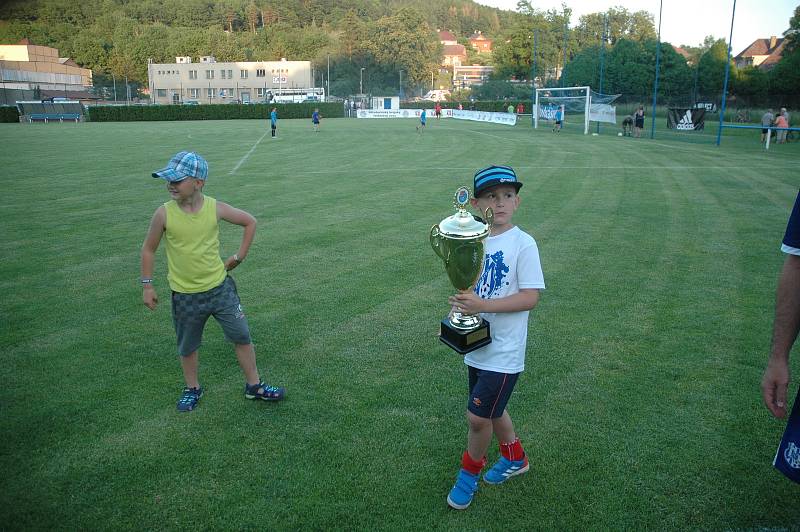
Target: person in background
{"points": [[767, 120]]}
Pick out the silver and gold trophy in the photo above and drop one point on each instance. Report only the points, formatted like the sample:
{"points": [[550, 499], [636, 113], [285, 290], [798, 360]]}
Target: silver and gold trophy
{"points": [[459, 242]]}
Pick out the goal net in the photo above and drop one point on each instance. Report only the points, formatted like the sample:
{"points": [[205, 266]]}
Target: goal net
{"points": [[575, 106]]}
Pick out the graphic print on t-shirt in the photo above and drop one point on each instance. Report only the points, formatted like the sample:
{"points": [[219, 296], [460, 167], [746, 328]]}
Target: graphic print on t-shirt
{"points": [[494, 273]]}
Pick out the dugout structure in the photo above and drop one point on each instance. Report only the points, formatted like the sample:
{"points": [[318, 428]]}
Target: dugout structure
{"points": [[578, 104], [50, 111]]}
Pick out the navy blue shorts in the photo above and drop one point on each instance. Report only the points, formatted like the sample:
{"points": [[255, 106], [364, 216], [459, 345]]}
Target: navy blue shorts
{"points": [[489, 392], [787, 459]]}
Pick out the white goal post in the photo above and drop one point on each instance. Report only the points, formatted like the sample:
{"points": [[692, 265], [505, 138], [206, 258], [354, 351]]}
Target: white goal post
{"points": [[587, 97]]}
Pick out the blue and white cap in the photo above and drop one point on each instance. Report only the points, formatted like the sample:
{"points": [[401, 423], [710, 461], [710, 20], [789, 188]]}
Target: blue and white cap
{"points": [[493, 176], [182, 165]]}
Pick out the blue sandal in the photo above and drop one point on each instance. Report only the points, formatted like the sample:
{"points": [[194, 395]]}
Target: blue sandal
{"points": [[264, 392]]}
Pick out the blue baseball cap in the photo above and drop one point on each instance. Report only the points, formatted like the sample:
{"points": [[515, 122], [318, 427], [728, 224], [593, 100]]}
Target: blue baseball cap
{"points": [[493, 176], [182, 165]]}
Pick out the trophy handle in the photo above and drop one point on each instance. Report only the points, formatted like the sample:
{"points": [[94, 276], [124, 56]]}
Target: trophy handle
{"points": [[436, 242], [489, 216]]}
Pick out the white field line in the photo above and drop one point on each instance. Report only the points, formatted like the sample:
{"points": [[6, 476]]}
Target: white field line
{"points": [[243, 159]]}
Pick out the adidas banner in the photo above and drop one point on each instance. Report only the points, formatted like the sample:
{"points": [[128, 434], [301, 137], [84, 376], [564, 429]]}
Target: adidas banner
{"points": [[684, 119]]}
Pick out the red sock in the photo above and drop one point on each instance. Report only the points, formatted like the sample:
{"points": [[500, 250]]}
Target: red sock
{"points": [[512, 451], [472, 466]]}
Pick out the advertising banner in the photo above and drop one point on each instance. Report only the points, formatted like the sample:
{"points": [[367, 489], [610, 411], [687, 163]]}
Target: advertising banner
{"points": [[400, 113], [508, 119], [684, 119], [602, 112]]}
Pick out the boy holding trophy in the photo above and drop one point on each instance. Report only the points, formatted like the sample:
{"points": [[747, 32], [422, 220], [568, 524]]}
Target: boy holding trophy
{"points": [[507, 289]]}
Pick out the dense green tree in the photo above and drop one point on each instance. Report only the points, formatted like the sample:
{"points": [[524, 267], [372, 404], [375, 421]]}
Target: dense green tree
{"points": [[711, 75]]}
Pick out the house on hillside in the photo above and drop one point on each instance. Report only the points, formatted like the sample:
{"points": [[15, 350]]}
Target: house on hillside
{"points": [[454, 55], [685, 54], [762, 53], [480, 42], [446, 38]]}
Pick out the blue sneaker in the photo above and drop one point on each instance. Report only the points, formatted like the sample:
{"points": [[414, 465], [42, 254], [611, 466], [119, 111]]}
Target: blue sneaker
{"points": [[463, 491], [189, 399], [504, 469]]}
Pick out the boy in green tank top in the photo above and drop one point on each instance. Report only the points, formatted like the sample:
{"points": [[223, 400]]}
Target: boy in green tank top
{"points": [[197, 275]]}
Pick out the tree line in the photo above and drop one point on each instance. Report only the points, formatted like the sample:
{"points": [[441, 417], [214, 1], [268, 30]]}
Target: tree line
{"points": [[389, 40]]}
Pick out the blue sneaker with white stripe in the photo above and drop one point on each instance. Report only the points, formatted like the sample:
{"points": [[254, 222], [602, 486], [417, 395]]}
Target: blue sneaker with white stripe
{"points": [[463, 491], [504, 469]]}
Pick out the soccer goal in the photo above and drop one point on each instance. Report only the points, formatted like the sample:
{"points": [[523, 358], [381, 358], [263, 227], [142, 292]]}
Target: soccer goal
{"points": [[576, 105]]}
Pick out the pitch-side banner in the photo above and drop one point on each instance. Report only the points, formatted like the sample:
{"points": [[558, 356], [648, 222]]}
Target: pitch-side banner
{"points": [[508, 119], [602, 112], [400, 113], [548, 112], [684, 119]]}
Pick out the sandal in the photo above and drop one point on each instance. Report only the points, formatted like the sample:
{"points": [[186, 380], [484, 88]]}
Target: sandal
{"points": [[264, 391]]}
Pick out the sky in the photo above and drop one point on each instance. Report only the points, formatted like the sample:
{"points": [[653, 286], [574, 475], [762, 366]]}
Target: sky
{"points": [[689, 21]]}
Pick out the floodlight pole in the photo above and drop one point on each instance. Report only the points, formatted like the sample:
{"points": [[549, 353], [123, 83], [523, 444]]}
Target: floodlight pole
{"points": [[401, 85], [602, 57], [328, 80], [564, 65], [533, 76], [361, 82], [725, 85], [655, 85]]}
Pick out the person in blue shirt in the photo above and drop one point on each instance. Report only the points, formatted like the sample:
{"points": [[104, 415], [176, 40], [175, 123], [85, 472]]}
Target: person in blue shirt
{"points": [[559, 120], [273, 120], [422, 119], [315, 120]]}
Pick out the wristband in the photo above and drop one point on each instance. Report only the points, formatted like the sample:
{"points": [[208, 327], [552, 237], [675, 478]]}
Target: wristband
{"points": [[147, 280], [236, 258]]}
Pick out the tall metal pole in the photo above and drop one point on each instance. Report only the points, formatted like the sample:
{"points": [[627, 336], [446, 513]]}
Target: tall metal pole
{"points": [[328, 80], [725, 85], [534, 111], [564, 65], [603, 57], [114, 79], [655, 85], [401, 85], [361, 82], [694, 90]]}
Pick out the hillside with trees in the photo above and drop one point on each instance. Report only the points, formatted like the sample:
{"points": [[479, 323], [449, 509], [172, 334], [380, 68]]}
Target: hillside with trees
{"points": [[118, 37]]}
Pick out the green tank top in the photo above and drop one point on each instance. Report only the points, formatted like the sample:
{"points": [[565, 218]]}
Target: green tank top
{"points": [[193, 260]]}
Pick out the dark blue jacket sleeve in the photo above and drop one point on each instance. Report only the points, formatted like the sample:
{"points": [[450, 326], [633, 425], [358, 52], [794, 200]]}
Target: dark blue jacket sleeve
{"points": [[792, 236]]}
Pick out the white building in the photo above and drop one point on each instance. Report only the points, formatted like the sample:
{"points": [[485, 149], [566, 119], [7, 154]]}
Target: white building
{"points": [[248, 81]]}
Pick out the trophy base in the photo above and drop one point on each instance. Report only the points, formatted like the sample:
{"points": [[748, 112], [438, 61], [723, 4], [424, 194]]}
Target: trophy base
{"points": [[465, 341]]}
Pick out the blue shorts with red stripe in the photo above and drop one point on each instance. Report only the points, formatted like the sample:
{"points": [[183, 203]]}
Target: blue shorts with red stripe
{"points": [[489, 392]]}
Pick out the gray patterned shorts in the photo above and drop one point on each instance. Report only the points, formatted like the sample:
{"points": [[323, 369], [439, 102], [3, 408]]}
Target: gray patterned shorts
{"points": [[191, 311]]}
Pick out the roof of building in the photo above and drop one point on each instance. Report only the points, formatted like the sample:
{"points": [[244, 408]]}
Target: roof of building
{"points": [[455, 49], [445, 35], [72, 95], [762, 47], [772, 48], [686, 55], [478, 36]]}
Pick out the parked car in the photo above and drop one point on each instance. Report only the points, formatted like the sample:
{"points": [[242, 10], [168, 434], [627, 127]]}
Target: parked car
{"points": [[191, 102]]}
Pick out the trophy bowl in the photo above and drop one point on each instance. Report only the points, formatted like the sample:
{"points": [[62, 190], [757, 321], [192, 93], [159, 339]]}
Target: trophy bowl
{"points": [[459, 241]]}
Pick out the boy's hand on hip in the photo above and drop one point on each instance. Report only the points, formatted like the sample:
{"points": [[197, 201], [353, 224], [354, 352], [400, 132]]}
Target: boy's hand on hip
{"points": [[149, 297], [232, 262]]}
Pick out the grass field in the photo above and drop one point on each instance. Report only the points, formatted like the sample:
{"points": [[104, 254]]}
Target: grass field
{"points": [[639, 407]]}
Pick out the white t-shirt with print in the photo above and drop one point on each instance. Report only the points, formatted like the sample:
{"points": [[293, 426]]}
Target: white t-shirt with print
{"points": [[511, 263]]}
